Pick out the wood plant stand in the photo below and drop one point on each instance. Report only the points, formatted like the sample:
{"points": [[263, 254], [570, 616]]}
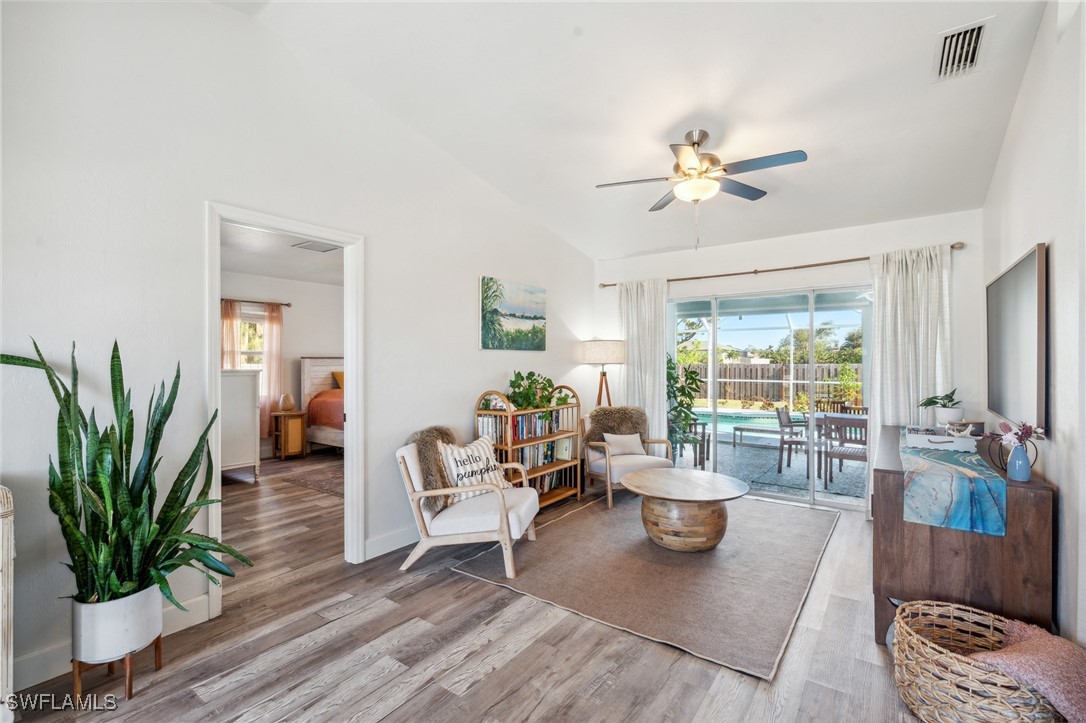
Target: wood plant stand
{"points": [[79, 667]]}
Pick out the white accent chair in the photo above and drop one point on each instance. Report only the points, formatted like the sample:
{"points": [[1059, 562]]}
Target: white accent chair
{"points": [[503, 517], [609, 468]]}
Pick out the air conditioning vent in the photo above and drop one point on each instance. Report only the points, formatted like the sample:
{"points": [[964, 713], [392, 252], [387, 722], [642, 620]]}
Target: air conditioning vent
{"points": [[316, 246], [958, 51]]}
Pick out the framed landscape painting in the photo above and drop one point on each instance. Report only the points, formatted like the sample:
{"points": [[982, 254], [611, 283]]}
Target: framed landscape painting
{"points": [[512, 315]]}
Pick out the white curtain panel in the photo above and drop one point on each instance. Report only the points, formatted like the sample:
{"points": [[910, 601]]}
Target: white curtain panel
{"points": [[644, 325], [911, 349]]}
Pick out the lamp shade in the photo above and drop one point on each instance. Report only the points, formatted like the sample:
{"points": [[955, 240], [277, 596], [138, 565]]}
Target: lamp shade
{"points": [[603, 351]]}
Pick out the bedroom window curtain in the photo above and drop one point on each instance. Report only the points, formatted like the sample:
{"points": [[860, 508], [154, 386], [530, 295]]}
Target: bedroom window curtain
{"points": [[271, 377], [230, 353], [911, 348], [644, 325]]}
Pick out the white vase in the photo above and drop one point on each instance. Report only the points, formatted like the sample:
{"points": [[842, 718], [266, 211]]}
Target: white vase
{"points": [[948, 414], [107, 631]]}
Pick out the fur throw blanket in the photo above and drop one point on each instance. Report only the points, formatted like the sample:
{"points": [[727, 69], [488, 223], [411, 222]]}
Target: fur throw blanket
{"points": [[616, 420], [433, 468]]}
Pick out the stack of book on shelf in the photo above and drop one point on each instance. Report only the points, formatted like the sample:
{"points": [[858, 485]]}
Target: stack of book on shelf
{"points": [[492, 426], [537, 424]]}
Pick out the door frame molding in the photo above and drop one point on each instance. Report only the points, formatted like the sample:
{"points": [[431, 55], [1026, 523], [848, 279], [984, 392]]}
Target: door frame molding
{"points": [[353, 245]]}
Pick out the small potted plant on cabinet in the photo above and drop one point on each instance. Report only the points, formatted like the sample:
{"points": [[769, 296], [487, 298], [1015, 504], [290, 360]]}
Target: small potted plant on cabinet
{"points": [[947, 408], [121, 551]]}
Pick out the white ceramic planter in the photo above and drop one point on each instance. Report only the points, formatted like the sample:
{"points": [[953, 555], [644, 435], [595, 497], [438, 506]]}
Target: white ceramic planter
{"points": [[107, 631], [948, 414]]}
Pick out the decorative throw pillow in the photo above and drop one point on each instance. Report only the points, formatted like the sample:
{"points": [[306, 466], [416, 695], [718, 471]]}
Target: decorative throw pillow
{"points": [[624, 444], [1053, 665], [472, 464], [338, 376]]}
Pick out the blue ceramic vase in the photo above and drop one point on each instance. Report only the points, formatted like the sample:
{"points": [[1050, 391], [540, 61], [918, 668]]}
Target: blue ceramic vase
{"points": [[1018, 464]]}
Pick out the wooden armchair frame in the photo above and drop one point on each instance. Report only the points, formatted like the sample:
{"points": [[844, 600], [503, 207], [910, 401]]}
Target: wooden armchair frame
{"points": [[502, 535], [605, 476]]}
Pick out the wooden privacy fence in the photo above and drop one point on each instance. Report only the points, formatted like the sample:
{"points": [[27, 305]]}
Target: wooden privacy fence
{"points": [[766, 381]]}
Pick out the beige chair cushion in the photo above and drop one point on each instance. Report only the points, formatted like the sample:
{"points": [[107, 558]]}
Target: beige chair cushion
{"points": [[624, 443], [410, 455], [624, 463], [480, 513]]}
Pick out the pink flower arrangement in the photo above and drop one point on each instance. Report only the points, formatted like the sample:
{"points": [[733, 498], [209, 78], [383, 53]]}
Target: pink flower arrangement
{"points": [[1015, 436]]}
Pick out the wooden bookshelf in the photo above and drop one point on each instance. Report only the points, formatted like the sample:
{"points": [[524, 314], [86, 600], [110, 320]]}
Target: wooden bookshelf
{"points": [[536, 438]]}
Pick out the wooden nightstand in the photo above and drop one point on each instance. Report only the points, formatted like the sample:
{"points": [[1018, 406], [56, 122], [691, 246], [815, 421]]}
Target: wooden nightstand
{"points": [[288, 434]]}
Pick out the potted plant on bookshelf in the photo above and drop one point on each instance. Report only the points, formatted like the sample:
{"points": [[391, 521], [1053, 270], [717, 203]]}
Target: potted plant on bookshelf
{"points": [[946, 407], [121, 552]]}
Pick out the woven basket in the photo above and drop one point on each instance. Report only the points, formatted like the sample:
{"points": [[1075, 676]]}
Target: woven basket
{"points": [[939, 683]]}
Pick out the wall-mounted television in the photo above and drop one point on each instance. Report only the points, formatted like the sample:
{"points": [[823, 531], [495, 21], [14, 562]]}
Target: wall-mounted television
{"points": [[1017, 341]]}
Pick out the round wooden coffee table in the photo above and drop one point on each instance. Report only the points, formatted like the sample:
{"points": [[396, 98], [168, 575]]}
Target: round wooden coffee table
{"points": [[683, 509]]}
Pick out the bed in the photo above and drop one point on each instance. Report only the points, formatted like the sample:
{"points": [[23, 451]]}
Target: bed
{"points": [[322, 398]]}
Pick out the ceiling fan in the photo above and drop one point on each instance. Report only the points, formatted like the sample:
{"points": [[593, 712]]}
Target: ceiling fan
{"points": [[702, 175]]}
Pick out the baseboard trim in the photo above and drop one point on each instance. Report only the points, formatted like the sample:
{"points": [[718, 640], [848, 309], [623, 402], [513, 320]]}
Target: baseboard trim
{"points": [[377, 546], [46, 663]]}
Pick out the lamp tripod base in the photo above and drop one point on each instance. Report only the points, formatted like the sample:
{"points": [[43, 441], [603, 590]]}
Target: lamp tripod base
{"points": [[604, 388]]}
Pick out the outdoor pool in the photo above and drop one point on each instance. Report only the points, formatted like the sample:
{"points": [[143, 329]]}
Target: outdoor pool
{"points": [[728, 419]]}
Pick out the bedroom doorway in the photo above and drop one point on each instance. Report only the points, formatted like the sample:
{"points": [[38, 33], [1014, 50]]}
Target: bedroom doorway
{"points": [[284, 304]]}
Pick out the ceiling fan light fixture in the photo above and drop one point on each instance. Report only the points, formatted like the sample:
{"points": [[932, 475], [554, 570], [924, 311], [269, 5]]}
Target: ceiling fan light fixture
{"points": [[694, 190]]}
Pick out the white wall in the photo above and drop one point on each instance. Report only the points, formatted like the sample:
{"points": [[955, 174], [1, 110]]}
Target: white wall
{"points": [[120, 122], [312, 325], [1036, 196], [967, 286]]}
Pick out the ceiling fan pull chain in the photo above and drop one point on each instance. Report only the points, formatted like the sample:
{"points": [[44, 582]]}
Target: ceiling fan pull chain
{"points": [[697, 226]]}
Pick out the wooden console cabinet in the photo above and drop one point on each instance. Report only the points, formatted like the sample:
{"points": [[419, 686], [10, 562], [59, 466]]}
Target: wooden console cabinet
{"points": [[1013, 575]]}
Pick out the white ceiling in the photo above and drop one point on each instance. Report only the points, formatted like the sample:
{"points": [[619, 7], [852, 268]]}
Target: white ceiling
{"points": [[544, 101], [250, 250]]}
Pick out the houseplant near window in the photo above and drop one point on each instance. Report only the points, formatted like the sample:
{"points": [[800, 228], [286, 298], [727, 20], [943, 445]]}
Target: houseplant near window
{"points": [[121, 551], [681, 392], [946, 407]]}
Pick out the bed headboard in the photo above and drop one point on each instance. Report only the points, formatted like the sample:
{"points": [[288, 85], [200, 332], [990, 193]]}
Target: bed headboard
{"points": [[317, 375]]}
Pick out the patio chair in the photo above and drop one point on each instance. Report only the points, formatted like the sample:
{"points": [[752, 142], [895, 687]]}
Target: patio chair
{"points": [[846, 438], [601, 464], [503, 516], [793, 434], [699, 433]]}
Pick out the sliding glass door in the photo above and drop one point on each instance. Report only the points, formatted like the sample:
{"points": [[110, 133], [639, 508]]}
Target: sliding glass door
{"points": [[777, 374]]}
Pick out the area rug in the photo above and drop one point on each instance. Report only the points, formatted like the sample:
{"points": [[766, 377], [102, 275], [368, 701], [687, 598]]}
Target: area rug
{"points": [[321, 471], [735, 605]]}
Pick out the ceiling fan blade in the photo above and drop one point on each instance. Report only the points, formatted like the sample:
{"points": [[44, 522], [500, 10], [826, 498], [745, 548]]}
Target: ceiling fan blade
{"points": [[757, 164], [668, 198], [627, 183], [686, 156], [742, 190]]}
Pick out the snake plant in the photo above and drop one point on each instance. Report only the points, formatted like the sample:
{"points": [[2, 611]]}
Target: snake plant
{"points": [[118, 545]]}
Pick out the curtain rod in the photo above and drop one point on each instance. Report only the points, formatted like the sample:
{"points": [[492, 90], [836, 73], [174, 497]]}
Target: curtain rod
{"points": [[956, 246], [250, 301]]}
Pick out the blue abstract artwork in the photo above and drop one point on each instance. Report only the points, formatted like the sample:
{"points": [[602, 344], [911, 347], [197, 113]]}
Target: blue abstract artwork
{"points": [[951, 489]]}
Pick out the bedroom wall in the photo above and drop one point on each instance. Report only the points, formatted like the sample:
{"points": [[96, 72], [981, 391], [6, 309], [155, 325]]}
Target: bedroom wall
{"points": [[967, 283], [312, 326], [1036, 196], [120, 122]]}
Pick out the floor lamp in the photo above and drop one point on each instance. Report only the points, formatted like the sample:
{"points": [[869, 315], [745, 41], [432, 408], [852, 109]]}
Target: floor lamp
{"points": [[603, 352]]}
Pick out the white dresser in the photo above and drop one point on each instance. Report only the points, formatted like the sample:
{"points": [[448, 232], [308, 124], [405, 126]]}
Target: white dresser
{"points": [[239, 420]]}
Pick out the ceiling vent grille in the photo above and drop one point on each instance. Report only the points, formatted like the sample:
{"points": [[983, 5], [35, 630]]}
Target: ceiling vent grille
{"points": [[317, 246], [958, 51]]}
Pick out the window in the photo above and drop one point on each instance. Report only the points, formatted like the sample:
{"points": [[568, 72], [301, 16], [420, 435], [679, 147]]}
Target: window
{"points": [[251, 336]]}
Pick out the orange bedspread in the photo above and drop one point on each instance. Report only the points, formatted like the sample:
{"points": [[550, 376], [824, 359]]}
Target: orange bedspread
{"points": [[326, 409]]}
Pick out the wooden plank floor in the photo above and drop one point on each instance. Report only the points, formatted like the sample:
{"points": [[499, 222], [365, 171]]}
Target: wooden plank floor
{"points": [[305, 636]]}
